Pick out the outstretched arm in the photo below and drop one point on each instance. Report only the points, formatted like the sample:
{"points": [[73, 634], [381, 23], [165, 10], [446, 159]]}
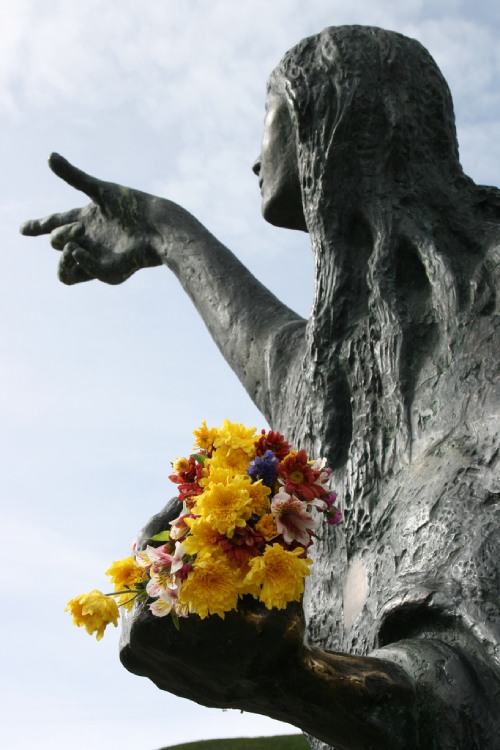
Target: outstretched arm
{"points": [[123, 230]]}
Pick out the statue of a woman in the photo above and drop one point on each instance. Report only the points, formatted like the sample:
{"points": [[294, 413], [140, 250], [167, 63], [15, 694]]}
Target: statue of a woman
{"points": [[392, 379]]}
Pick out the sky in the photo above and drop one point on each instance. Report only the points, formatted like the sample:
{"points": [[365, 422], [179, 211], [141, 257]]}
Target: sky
{"points": [[102, 386]]}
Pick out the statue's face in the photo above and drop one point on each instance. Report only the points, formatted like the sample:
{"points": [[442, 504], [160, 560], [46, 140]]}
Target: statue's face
{"points": [[277, 168]]}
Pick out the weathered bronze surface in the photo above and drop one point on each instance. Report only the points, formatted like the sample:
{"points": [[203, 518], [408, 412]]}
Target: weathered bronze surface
{"points": [[393, 378]]}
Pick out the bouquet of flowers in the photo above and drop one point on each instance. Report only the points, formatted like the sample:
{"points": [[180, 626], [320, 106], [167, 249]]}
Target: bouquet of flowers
{"points": [[249, 511]]}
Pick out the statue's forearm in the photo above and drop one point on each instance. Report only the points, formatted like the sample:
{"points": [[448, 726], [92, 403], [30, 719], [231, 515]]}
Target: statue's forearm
{"points": [[255, 660], [241, 314], [352, 702], [371, 701]]}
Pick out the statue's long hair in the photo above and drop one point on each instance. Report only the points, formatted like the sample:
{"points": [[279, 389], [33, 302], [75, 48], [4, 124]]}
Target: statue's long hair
{"points": [[402, 238]]}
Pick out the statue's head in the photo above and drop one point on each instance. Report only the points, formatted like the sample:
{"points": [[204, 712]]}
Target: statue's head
{"points": [[353, 111], [360, 150]]}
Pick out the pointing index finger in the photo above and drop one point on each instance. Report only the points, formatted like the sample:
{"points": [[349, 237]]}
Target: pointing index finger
{"points": [[75, 177]]}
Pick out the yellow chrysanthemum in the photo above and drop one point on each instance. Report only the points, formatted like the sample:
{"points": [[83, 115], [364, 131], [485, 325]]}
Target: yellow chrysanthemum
{"points": [[236, 460], [181, 464], [202, 539], [93, 611], [211, 587], [260, 498], [236, 436], [225, 506], [126, 573], [246, 586], [205, 436], [266, 527], [281, 574], [220, 474]]}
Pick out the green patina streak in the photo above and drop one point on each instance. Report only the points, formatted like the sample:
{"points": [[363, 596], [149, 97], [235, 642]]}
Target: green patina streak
{"points": [[129, 206]]}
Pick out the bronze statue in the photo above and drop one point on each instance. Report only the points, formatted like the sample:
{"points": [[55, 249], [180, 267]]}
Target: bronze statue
{"points": [[392, 379]]}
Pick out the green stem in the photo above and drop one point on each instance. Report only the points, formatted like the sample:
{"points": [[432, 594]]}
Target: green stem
{"points": [[123, 604]]}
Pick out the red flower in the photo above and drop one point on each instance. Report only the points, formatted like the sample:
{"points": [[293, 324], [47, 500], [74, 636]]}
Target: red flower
{"points": [[191, 473], [187, 491], [272, 441], [242, 545], [187, 480], [298, 477]]}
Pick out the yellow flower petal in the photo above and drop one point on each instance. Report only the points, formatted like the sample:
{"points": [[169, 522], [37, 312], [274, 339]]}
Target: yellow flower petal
{"points": [[225, 506], [205, 436], [267, 526], [93, 611], [281, 574], [202, 538], [235, 436], [211, 587], [180, 464], [126, 572]]}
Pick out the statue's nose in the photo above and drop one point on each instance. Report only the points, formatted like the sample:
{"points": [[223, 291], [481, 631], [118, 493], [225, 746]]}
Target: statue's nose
{"points": [[256, 166]]}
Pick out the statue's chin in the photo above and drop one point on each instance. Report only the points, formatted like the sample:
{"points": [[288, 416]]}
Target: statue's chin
{"points": [[285, 216]]}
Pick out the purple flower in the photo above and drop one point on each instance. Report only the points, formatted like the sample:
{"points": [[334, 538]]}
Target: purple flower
{"points": [[334, 516], [264, 467], [330, 500]]}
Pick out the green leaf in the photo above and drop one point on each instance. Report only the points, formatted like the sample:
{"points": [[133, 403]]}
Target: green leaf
{"points": [[175, 619], [163, 536], [199, 458]]}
